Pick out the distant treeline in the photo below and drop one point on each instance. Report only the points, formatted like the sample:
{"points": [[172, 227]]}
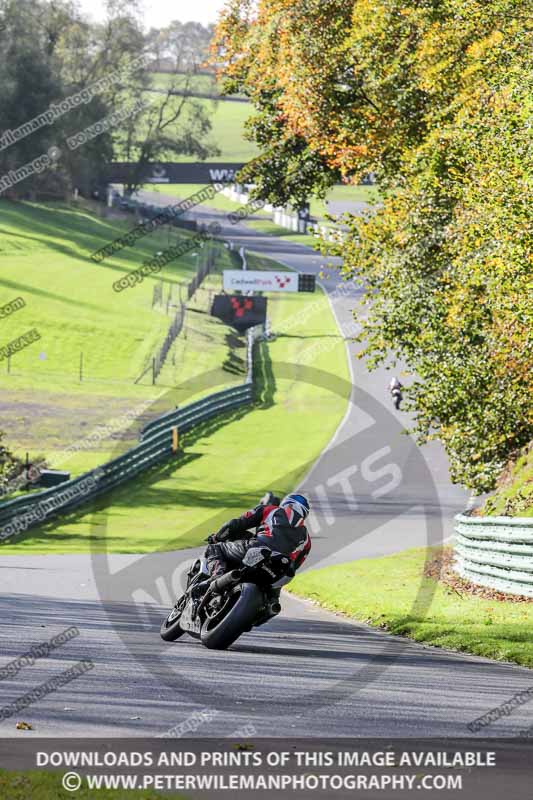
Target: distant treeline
{"points": [[65, 79]]}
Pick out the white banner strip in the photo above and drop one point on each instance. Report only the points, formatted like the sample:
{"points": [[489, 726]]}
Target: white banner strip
{"points": [[249, 281]]}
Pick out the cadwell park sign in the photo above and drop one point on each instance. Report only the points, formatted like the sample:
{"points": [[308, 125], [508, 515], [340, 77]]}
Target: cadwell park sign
{"points": [[250, 281]]}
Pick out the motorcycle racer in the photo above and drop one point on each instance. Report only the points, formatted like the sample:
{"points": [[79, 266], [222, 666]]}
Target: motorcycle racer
{"points": [[278, 527], [237, 585]]}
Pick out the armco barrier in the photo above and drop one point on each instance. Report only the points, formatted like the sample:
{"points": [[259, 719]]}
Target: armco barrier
{"points": [[496, 552], [155, 446]]}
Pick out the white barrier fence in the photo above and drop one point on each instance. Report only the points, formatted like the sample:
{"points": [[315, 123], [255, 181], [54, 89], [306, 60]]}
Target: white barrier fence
{"points": [[496, 552], [286, 218]]}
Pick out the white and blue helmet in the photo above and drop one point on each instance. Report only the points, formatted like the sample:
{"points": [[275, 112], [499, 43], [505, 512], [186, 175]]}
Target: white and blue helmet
{"points": [[296, 507]]}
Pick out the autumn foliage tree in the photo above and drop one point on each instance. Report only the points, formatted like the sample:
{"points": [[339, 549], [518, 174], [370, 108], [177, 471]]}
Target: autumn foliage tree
{"points": [[434, 97]]}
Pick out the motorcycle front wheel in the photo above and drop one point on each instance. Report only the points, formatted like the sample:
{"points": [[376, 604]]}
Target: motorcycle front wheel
{"points": [[241, 609], [170, 627]]}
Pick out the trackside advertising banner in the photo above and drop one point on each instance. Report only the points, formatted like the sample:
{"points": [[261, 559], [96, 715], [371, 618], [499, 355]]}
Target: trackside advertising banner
{"points": [[238, 281]]}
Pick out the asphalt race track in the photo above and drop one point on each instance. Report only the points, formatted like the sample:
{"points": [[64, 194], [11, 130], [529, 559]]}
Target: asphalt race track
{"points": [[306, 673]]}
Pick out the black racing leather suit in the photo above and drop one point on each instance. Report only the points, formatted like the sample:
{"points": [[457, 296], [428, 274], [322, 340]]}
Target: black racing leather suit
{"points": [[272, 530]]}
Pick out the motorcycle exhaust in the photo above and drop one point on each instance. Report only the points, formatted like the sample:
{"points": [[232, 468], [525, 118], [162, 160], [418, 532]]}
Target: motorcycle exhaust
{"points": [[225, 582], [274, 609], [218, 586]]}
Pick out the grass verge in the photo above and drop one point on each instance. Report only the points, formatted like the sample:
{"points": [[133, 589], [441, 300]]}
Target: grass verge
{"points": [[514, 494], [343, 194], [270, 228], [392, 593], [36, 785]]}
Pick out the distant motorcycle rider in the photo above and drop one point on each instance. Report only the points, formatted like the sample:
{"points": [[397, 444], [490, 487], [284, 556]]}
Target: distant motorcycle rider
{"points": [[395, 388], [278, 526]]}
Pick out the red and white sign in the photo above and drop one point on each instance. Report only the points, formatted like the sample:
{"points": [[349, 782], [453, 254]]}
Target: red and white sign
{"points": [[249, 281]]}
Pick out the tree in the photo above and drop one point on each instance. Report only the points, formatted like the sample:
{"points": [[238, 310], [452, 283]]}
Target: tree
{"points": [[172, 127], [28, 81], [51, 53], [433, 97], [177, 123]]}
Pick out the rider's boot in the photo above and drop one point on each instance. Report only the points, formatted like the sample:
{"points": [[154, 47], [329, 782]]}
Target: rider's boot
{"points": [[217, 567]]}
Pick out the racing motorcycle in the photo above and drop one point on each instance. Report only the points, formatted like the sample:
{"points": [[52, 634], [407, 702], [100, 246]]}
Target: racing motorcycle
{"points": [[397, 398], [233, 603]]}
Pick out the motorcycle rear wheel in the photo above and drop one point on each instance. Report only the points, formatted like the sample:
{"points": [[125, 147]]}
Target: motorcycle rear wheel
{"points": [[245, 603]]}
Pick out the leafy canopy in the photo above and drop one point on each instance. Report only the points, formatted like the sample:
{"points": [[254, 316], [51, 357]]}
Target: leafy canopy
{"points": [[434, 98]]}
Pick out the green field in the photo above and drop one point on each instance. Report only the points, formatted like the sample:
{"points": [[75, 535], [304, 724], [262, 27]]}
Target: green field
{"points": [[45, 259], [227, 119], [228, 132], [343, 194], [391, 593], [226, 466], [270, 228], [205, 84]]}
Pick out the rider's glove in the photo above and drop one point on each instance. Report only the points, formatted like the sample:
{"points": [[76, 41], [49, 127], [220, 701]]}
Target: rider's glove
{"points": [[221, 536]]}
